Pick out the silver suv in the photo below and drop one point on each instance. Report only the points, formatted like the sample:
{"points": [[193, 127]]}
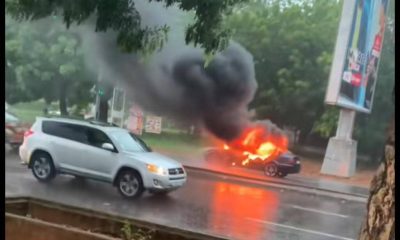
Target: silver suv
{"points": [[101, 152]]}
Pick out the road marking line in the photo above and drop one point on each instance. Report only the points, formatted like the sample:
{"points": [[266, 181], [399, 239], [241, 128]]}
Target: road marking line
{"points": [[301, 229], [319, 211]]}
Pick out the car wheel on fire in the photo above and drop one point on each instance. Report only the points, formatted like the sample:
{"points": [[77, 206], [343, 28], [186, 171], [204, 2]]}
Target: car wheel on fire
{"points": [[260, 146], [271, 169]]}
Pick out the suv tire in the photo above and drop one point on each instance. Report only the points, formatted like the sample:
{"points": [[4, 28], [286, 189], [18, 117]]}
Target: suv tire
{"points": [[130, 184], [43, 167]]}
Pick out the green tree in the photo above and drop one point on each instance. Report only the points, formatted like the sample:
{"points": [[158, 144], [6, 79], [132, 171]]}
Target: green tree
{"points": [[44, 62], [26, 76], [66, 58], [122, 17], [292, 44]]}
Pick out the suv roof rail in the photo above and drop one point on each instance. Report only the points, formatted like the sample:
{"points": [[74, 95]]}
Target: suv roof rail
{"points": [[104, 124], [94, 122], [64, 117]]}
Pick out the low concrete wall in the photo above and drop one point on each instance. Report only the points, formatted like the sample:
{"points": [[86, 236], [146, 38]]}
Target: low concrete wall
{"points": [[37, 215], [25, 228]]}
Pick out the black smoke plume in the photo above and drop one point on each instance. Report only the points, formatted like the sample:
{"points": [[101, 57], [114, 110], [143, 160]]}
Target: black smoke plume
{"points": [[176, 84]]}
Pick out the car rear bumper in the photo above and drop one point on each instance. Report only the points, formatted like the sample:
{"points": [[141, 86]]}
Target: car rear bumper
{"points": [[15, 140]]}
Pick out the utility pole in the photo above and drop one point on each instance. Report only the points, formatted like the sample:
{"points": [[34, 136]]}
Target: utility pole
{"points": [[118, 106], [98, 96], [103, 94]]}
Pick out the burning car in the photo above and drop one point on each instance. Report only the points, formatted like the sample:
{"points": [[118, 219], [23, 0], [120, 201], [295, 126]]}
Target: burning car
{"points": [[262, 146]]}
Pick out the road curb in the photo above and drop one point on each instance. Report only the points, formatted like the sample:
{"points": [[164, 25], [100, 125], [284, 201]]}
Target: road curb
{"points": [[274, 182]]}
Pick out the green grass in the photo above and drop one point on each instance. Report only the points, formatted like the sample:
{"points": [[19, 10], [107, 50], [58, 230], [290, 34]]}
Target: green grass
{"points": [[174, 142], [28, 111]]}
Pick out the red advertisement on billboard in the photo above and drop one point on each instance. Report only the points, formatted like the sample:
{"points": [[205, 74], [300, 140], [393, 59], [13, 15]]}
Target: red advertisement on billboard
{"points": [[356, 79]]}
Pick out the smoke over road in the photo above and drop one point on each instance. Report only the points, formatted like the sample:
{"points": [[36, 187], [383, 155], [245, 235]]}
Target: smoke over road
{"points": [[174, 82]]}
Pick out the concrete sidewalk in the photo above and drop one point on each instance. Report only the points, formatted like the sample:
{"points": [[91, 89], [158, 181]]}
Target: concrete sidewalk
{"points": [[198, 163]]}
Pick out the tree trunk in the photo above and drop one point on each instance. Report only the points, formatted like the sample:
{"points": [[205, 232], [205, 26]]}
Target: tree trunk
{"points": [[380, 220], [63, 98], [302, 138], [47, 103]]}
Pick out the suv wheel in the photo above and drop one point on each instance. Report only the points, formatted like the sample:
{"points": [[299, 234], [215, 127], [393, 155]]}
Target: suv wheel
{"points": [[271, 169], [43, 167], [130, 184]]}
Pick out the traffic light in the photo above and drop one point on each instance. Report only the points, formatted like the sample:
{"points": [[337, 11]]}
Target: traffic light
{"points": [[104, 89], [100, 92]]}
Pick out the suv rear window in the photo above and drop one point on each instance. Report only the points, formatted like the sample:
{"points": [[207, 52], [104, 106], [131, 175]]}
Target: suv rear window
{"points": [[65, 130]]}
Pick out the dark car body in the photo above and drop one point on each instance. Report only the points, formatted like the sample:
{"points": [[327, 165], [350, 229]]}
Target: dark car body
{"points": [[278, 165], [288, 163]]}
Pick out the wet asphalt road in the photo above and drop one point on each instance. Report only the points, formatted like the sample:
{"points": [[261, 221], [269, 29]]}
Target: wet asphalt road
{"points": [[208, 203]]}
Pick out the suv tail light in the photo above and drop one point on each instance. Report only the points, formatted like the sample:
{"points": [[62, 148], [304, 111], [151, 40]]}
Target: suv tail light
{"points": [[28, 133]]}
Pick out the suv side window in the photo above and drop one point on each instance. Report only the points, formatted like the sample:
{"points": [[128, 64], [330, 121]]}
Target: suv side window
{"points": [[97, 137], [65, 130]]}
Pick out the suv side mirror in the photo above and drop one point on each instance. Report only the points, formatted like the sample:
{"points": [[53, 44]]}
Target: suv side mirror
{"points": [[108, 146]]}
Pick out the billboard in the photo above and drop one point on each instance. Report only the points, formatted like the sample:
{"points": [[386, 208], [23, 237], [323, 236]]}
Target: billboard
{"points": [[357, 53], [153, 124]]}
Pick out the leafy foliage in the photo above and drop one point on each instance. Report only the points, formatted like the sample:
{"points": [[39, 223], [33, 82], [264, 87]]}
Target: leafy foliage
{"points": [[44, 62], [129, 232], [327, 123], [292, 44], [122, 16]]}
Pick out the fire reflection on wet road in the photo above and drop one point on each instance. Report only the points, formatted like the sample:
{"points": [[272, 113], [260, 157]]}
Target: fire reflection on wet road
{"points": [[231, 203]]}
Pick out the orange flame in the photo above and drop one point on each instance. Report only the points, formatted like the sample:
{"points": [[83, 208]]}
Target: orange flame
{"points": [[258, 144]]}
